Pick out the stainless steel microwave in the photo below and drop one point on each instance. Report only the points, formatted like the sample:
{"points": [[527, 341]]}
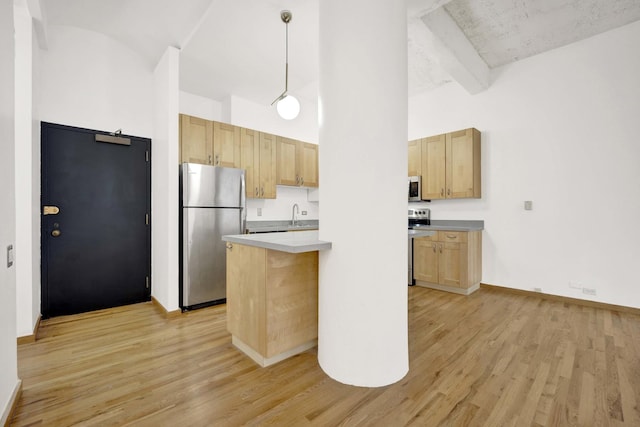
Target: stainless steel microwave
{"points": [[415, 189]]}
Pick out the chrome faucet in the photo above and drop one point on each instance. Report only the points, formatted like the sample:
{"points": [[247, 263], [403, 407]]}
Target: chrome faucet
{"points": [[294, 210]]}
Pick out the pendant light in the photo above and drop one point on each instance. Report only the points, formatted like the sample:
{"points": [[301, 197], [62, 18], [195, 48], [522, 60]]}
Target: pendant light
{"points": [[287, 106]]}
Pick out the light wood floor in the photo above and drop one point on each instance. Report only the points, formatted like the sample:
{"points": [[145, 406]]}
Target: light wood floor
{"points": [[493, 358]]}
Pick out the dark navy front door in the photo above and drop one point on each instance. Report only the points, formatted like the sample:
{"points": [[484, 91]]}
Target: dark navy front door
{"points": [[96, 237]]}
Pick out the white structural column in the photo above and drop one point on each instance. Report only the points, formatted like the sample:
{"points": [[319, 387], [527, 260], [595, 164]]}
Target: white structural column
{"points": [[164, 183], [362, 332]]}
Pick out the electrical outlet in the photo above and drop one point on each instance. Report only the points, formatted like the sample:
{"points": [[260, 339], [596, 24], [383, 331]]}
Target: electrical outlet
{"points": [[537, 289], [575, 284], [259, 211], [588, 291], [528, 205], [303, 212]]}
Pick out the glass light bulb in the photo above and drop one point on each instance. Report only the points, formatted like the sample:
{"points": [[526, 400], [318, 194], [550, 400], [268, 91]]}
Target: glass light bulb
{"points": [[288, 107]]}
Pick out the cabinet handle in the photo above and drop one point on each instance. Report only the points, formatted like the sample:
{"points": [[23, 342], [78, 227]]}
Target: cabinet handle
{"points": [[301, 181], [297, 179], [262, 191], [229, 245], [209, 158], [217, 159], [434, 248], [257, 192], [451, 236], [441, 248], [442, 192], [448, 191]]}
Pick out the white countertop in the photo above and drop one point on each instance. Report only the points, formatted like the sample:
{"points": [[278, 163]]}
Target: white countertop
{"points": [[292, 242]]}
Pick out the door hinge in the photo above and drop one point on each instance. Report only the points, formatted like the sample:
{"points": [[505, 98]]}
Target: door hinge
{"points": [[146, 219], [146, 282], [146, 155]]}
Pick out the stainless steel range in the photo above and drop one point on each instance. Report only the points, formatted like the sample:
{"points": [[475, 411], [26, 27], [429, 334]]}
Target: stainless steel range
{"points": [[419, 220]]}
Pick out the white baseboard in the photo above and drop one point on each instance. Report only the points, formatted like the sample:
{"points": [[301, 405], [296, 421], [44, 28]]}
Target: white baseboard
{"points": [[7, 413], [461, 291]]}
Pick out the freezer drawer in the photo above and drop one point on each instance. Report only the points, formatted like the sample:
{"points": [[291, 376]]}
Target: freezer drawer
{"points": [[204, 254]]}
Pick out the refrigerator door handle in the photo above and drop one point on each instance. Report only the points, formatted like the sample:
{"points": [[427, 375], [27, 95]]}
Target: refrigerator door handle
{"points": [[243, 205]]}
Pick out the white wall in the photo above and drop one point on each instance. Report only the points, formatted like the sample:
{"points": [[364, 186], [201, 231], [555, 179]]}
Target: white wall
{"points": [[95, 82], [8, 347], [559, 129], [164, 181], [199, 106], [282, 207]]}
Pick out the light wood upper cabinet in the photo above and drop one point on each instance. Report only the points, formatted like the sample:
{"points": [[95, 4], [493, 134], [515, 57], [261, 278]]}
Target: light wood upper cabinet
{"points": [[308, 165], [196, 140], [450, 165], [415, 157], [287, 160], [297, 163], [267, 156], [433, 167], [250, 161], [267, 159], [258, 159], [226, 145], [463, 164]]}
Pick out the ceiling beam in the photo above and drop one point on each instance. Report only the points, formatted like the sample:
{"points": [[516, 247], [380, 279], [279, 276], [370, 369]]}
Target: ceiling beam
{"points": [[455, 54], [39, 22]]}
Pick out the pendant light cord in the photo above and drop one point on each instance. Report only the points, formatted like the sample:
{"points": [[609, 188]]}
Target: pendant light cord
{"points": [[286, 17]]}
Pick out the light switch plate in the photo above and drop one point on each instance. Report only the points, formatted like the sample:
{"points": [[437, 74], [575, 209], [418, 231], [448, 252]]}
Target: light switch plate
{"points": [[528, 205], [9, 256], [259, 211]]}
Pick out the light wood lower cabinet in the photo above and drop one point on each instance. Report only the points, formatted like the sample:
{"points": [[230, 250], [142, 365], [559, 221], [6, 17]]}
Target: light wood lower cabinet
{"points": [[272, 302], [449, 260]]}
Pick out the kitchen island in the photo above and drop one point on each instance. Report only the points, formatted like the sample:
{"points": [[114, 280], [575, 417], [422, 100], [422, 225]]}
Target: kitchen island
{"points": [[272, 293]]}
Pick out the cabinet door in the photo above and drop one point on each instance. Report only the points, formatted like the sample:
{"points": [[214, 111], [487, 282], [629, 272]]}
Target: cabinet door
{"points": [[433, 167], [463, 164], [267, 156], [250, 161], [196, 140], [308, 164], [246, 295], [415, 157], [450, 265], [287, 155], [425, 260], [226, 145]]}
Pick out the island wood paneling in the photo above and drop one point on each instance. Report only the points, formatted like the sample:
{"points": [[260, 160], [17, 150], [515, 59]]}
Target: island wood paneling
{"points": [[490, 358], [272, 298]]}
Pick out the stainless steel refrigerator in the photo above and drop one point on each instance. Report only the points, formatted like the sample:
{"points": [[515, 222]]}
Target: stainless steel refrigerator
{"points": [[212, 203]]}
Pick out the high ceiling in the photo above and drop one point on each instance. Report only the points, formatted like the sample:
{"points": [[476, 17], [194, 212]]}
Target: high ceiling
{"points": [[237, 46]]}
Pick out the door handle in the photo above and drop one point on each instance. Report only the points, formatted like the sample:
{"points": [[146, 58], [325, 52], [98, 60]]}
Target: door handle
{"points": [[50, 210], [56, 233]]}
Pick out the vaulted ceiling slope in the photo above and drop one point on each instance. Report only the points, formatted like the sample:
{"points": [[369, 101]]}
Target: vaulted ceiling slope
{"points": [[237, 46]]}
